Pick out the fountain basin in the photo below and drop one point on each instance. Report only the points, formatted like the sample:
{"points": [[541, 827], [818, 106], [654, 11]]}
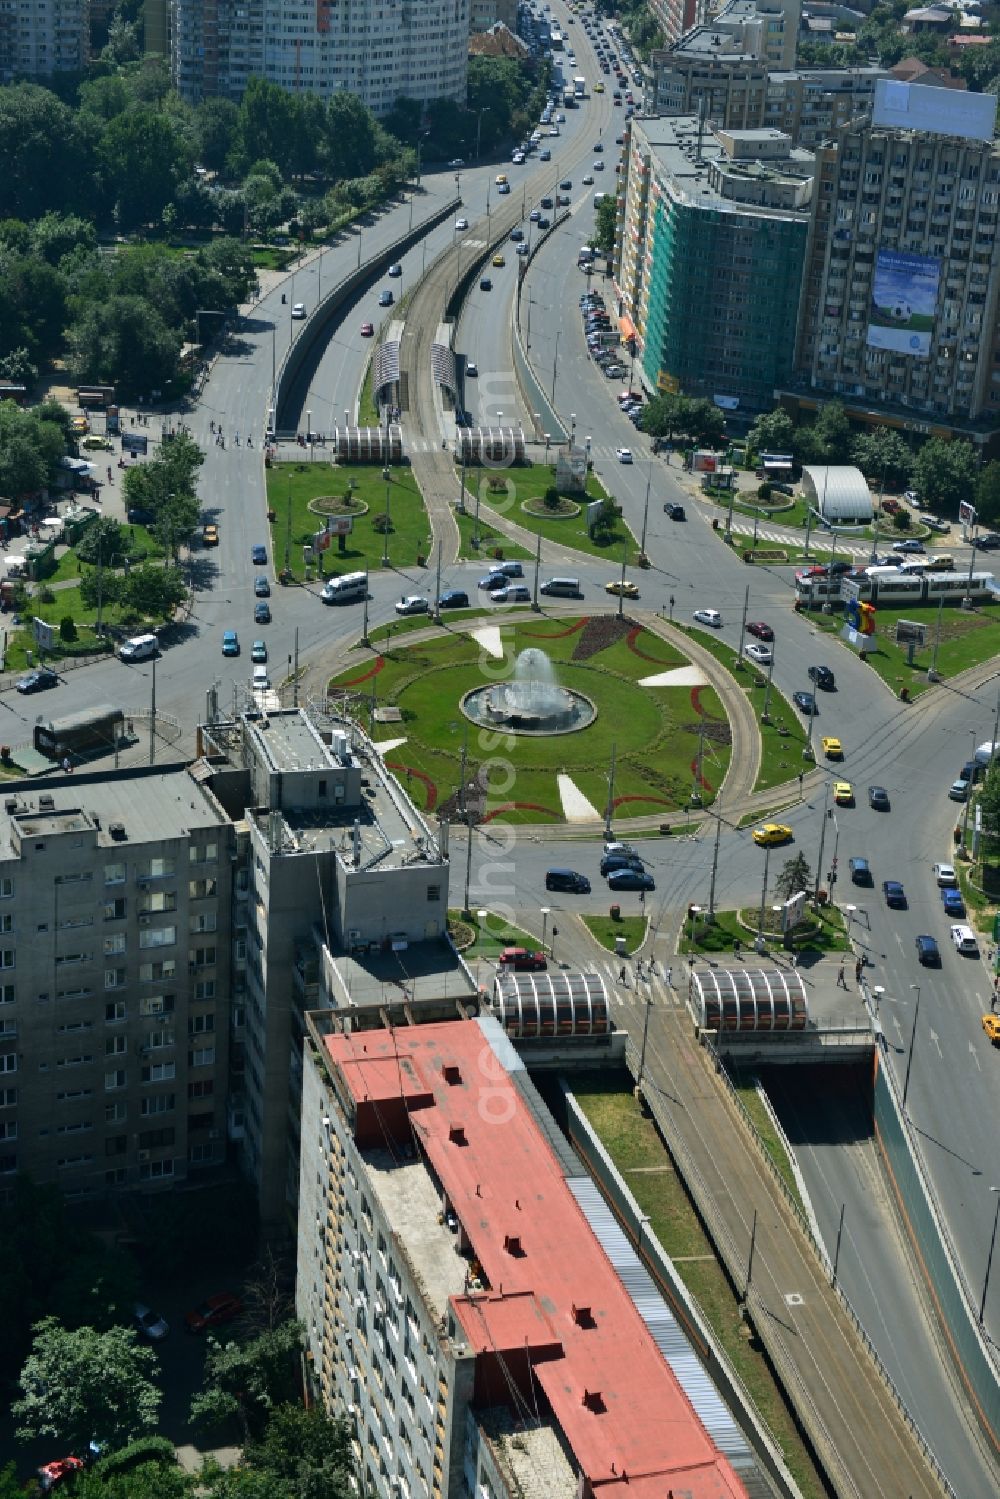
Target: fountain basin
{"points": [[533, 702]]}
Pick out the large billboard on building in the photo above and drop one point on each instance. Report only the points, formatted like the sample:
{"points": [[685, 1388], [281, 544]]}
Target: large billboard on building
{"points": [[904, 296], [914, 106]]}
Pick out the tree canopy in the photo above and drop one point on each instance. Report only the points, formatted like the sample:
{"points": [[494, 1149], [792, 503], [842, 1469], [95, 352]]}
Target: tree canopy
{"points": [[944, 473], [82, 1385]]}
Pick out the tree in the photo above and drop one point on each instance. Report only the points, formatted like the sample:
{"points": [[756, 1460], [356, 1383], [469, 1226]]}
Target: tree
{"points": [[154, 592], [665, 416], [10, 1485], [81, 1386], [772, 432], [989, 807], [829, 439], [268, 1298], [103, 543], [794, 875], [988, 494], [607, 218], [306, 1450], [706, 424], [101, 589], [125, 341], [883, 456], [249, 1380], [945, 473], [142, 157]]}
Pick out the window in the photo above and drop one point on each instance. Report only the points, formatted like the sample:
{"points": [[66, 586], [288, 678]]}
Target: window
{"points": [[160, 869], [152, 1139], [203, 853], [163, 968], [114, 1010], [158, 1072], [197, 1154], [8, 1098], [202, 889], [115, 944], [7, 995], [157, 1103], [68, 959], [113, 1080], [115, 1113], [205, 921], [203, 1089], [116, 1046], [157, 1040], [116, 910], [433, 892], [6, 957], [116, 1145], [8, 1131], [203, 989], [6, 889], [199, 1024], [154, 1169], [156, 1004], [6, 922], [158, 936], [202, 1056], [158, 901], [116, 1178], [114, 978], [203, 957], [115, 874], [80, 1059]]}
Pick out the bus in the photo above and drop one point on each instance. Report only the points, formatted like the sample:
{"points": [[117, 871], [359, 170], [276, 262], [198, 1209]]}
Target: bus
{"points": [[98, 728], [556, 39], [580, 86]]}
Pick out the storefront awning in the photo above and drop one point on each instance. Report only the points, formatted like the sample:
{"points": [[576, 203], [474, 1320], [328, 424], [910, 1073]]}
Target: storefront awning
{"points": [[626, 326]]}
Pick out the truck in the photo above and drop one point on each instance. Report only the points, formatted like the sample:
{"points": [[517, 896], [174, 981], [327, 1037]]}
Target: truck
{"points": [[98, 728], [580, 86]]}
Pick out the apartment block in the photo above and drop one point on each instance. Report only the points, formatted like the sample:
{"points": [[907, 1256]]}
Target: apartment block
{"points": [[335, 861], [39, 38], [378, 50], [711, 242], [458, 1305], [899, 314], [761, 31], [115, 1012]]}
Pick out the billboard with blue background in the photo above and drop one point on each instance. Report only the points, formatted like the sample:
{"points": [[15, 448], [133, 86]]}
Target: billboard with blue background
{"points": [[904, 296]]}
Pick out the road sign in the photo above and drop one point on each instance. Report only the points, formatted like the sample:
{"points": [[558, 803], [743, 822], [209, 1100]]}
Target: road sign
{"points": [[793, 910], [45, 636], [966, 513], [908, 630]]}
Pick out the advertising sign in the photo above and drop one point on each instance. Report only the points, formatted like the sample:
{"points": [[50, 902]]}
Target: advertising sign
{"points": [[793, 911], [909, 630], [134, 442], [45, 635], [904, 296], [966, 513]]}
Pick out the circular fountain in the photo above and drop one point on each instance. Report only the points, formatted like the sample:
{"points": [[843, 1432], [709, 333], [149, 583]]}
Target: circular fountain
{"points": [[532, 702]]}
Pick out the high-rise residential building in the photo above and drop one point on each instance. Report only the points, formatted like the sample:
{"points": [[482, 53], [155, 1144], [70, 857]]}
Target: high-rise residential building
{"points": [[115, 1002], [711, 241], [458, 1304], [486, 13], [899, 313], [740, 92], [379, 50], [764, 31], [674, 16], [39, 38], [342, 881]]}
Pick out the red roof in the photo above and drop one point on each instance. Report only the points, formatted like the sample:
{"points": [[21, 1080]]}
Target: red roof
{"points": [[557, 1319]]}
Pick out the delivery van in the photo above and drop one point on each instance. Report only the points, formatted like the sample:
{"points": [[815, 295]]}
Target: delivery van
{"points": [[139, 648]]}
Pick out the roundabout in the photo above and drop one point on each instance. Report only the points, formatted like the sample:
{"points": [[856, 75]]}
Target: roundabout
{"points": [[535, 709]]}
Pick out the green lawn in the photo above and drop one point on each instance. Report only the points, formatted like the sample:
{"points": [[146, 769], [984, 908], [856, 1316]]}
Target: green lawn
{"points": [[530, 482], [823, 931], [489, 937], [632, 928], [293, 485], [968, 638], [654, 730], [65, 601], [409, 623], [638, 1152], [489, 541], [367, 410]]}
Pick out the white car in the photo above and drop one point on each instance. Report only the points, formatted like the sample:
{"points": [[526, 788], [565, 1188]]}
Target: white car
{"points": [[964, 939], [757, 652], [560, 119], [471, 367], [150, 1323], [553, 130], [945, 875], [708, 617], [298, 309], [624, 455], [588, 180], [413, 604], [461, 223]]}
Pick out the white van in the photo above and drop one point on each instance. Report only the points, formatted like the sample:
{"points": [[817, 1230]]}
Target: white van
{"points": [[261, 680], [566, 588], [139, 648], [346, 589]]}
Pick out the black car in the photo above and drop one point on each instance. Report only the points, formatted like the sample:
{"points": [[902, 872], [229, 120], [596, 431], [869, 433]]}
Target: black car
{"points": [[674, 512], [611, 862], [822, 676], [988, 542], [927, 952], [485, 284], [878, 798], [37, 680], [258, 555], [262, 613], [567, 879], [630, 879], [894, 894], [861, 872], [262, 587], [454, 599], [805, 702]]}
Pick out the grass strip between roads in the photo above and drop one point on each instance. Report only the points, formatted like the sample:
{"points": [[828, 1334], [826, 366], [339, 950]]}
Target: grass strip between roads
{"points": [[290, 487], [639, 1154], [969, 637], [607, 930], [519, 484]]}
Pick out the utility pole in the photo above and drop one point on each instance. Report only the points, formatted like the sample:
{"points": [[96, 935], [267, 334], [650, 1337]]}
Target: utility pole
{"points": [[763, 899], [295, 672], [696, 795], [463, 806], [538, 563], [822, 840], [743, 623], [609, 810], [555, 365], [479, 491], [437, 590], [152, 718], [621, 590], [645, 511], [715, 866], [765, 715], [385, 538], [932, 674]]}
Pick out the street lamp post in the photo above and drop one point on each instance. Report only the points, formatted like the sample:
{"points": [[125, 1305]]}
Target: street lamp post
{"points": [[989, 1257], [968, 794], [763, 899], [645, 508], [822, 838], [765, 715], [621, 590], [545, 910], [913, 1039], [475, 524], [808, 753], [385, 538]]}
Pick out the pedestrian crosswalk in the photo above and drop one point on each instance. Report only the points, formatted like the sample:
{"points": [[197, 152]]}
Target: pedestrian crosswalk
{"points": [[821, 539], [640, 986]]}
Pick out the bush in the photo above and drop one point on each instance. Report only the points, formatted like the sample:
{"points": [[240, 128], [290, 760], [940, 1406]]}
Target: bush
{"points": [[143, 1450], [46, 596], [764, 492], [901, 520], [550, 498], [67, 628], [382, 524]]}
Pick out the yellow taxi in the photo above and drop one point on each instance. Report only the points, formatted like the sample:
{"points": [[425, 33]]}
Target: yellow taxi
{"points": [[499, 260], [501, 178], [991, 1025], [598, 88], [770, 833], [628, 589], [210, 535], [843, 793], [79, 424], [832, 748]]}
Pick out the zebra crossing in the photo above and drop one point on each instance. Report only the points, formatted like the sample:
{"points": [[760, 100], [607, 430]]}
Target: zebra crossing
{"points": [[786, 538], [639, 988]]}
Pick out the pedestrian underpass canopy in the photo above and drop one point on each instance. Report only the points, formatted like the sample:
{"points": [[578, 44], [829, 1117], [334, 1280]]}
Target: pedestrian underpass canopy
{"points": [[839, 493], [536, 1005], [749, 999]]}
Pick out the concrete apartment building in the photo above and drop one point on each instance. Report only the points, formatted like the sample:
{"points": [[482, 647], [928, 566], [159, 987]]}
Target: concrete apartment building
{"points": [[711, 242], [899, 313], [762, 31], [343, 875], [116, 1010], [41, 37], [458, 1304], [378, 50]]}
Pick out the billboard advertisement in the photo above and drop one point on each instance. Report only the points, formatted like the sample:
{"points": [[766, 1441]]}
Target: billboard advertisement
{"points": [[909, 106], [904, 295]]}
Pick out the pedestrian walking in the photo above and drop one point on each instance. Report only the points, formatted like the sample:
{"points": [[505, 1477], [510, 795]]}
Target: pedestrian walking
{"points": [[859, 969], [841, 979], [666, 975], [622, 976], [800, 783]]}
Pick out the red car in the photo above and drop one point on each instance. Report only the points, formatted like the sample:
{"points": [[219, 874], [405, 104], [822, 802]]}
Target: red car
{"points": [[522, 960], [53, 1473], [215, 1310], [761, 630], [367, 330]]}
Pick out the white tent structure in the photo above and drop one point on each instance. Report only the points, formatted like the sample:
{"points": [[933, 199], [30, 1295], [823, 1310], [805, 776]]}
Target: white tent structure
{"points": [[839, 494]]}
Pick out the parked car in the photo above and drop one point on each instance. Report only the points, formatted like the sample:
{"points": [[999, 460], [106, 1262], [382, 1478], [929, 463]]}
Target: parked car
{"points": [[150, 1323], [952, 901], [454, 598], [964, 939], [413, 603], [225, 1306], [944, 875], [522, 960], [38, 680]]}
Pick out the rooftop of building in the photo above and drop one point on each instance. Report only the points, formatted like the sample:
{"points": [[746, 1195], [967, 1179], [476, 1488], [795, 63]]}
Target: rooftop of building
{"points": [[696, 159], [288, 741], [149, 805], [422, 972], [548, 1291], [497, 41]]}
